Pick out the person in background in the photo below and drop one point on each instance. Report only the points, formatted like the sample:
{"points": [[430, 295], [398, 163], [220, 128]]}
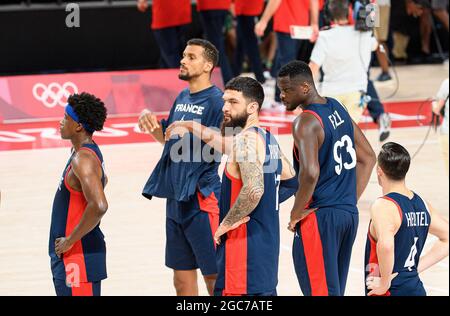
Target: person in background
{"points": [[169, 21], [213, 14], [246, 12], [440, 108], [400, 224], [286, 13], [381, 34], [344, 54]]}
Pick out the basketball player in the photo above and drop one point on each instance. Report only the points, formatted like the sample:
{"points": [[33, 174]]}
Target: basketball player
{"points": [[76, 247], [334, 161], [399, 227], [248, 237], [192, 185]]}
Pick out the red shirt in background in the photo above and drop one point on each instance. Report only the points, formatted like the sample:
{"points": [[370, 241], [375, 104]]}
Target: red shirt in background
{"points": [[167, 13], [203, 5], [249, 7], [291, 12]]}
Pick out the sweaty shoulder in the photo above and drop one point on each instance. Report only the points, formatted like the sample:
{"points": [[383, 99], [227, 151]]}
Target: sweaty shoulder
{"points": [[84, 157], [384, 207], [309, 118]]}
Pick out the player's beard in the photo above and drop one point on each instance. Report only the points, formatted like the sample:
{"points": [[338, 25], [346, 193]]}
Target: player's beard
{"points": [[234, 125], [186, 76]]}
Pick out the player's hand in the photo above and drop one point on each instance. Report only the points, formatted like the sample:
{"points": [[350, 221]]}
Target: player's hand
{"points": [[223, 229], [179, 128], [142, 5], [62, 245], [378, 286], [148, 122], [295, 219], [260, 28], [292, 224]]}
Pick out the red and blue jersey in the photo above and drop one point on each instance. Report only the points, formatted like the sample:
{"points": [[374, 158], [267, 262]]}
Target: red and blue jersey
{"points": [[408, 245], [86, 260], [336, 186], [247, 258]]}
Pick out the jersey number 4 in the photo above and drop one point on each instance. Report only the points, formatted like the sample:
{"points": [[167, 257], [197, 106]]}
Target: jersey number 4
{"points": [[410, 261], [346, 142]]}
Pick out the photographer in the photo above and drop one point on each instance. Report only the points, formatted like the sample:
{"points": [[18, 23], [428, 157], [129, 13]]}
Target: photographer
{"points": [[344, 53], [440, 108]]}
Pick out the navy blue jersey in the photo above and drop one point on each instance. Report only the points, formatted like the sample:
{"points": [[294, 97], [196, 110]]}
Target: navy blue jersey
{"points": [[247, 258], [191, 170], [336, 186], [409, 242], [87, 257]]}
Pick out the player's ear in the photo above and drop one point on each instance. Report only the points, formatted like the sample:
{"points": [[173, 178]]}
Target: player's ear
{"points": [[252, 107], [379, 171], [305, 88], [79, 128], [208, 67]]}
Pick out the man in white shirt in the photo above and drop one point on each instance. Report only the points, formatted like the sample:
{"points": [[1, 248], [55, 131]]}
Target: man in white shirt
{"points": [[439, 107], [344, 55]]}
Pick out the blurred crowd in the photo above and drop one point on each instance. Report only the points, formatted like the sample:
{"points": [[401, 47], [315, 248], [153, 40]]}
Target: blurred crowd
{"points": [[259, 37], [255, 35]]}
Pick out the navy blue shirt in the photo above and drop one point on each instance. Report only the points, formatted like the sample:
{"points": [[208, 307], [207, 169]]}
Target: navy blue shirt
{"points": [[247, 258], [87, 257], [409, 243], [336, 185], [180, 178]]}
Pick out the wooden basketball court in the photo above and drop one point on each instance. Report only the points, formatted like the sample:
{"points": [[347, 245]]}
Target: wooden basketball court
{"points": [[135, 227]]}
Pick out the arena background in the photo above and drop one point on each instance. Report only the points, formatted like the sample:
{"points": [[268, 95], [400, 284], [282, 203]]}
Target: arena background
{"points": [[114, 55]]}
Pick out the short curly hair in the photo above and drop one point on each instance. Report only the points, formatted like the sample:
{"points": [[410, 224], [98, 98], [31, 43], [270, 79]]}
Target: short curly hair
{"points": [[90, 110], [297, 70]]}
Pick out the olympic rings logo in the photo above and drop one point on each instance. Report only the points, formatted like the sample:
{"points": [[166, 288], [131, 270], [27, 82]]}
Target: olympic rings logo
{"points": [[54, 94]]}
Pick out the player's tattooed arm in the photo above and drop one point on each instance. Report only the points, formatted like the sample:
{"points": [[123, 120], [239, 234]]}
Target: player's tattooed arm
{"points": [[249, 155], [252, 175]]}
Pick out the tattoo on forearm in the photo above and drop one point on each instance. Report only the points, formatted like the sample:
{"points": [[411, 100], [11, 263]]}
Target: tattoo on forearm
{"points": [[252, 175], [250, 195]]}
